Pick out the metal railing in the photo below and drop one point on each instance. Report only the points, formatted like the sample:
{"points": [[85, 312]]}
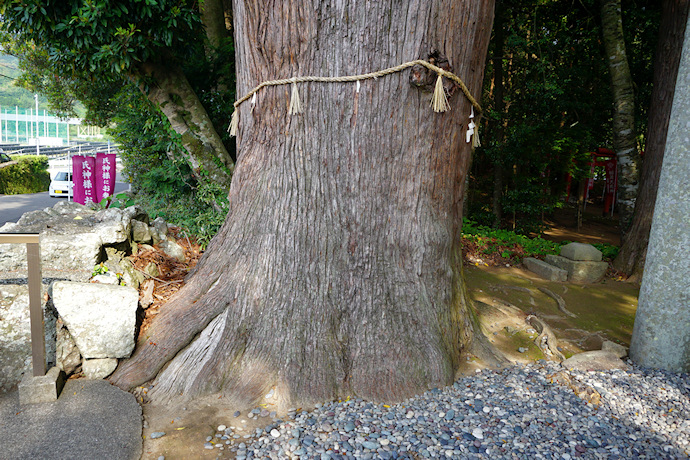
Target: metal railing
{"points": [[33, 256]]}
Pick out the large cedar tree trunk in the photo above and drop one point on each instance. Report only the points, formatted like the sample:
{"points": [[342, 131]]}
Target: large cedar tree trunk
{"points": [[624, 143], [674, 14], [338, 269]]}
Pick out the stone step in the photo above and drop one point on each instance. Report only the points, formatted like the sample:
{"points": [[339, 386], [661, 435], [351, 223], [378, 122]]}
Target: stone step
{"points": [[546, 271]]}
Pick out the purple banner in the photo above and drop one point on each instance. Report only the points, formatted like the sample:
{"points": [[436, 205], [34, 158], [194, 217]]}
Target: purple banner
{"points": [[105, 175], [83, 171]]}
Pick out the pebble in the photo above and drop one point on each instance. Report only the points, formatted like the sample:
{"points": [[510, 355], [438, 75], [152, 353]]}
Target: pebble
{"points": [[516, 412], [221, 428], [157, 434]]}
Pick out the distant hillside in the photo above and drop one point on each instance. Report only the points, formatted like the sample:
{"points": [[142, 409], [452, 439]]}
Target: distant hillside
{"points": [[11, 95]]}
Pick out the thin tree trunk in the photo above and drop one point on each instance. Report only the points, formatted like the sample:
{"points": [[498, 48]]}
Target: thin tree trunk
{"points": [[213, 18], [499, 103], [175, 97], [338, 269], [674, 14], [624, 110]]}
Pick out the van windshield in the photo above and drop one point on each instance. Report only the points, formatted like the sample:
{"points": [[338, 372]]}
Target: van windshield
{"points": [[62, 176]]}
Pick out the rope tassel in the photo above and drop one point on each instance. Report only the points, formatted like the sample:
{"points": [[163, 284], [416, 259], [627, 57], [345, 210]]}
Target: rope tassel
{"points": [[295, 104], [439, 102], [234, 122]]}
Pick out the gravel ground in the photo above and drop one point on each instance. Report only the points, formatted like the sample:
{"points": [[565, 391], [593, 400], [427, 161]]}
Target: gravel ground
{"points": [[520, 412]]}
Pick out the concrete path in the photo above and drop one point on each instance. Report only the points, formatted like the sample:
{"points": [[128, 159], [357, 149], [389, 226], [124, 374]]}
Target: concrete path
{"points": [[90, 420]]}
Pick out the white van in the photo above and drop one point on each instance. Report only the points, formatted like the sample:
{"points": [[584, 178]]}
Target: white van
{"points": [[61, 185]]}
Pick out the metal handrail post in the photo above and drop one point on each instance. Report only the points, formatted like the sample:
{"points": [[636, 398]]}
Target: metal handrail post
{"points": [[33, 256]]}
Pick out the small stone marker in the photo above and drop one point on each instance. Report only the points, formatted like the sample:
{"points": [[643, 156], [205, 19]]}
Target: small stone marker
{"points": [[579, 271]]}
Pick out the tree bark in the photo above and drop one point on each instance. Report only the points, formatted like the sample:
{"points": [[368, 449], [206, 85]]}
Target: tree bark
{"points": [[499, 104], [624, 110], [175, 97], [213, 18], [338, 269], [632, 256]]}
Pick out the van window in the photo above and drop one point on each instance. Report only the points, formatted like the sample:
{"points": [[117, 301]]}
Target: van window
{"points": [[62, 176]]}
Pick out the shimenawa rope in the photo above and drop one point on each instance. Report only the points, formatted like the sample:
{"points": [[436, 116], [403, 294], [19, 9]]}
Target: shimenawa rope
{"points": [[439, 101]]}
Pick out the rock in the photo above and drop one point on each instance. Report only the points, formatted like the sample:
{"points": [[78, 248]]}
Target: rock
{"points": [[113, 226], [147, 297], [545, 270], [275, 433], [131, 275], [152, 269], [107, 278], [101, 318], [67, 355], [140, 232], [161, 226], [478, 433], [78, 252], [157, 434], [98, 368], [598, 360], [173, 249], [136, 213], [581, 252], [616, 349], [15, 334], [523, 350], [579, 272], [221, 428]]}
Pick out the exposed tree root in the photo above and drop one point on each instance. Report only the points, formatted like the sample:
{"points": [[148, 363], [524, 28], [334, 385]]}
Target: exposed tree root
{"points": [[546, 340], [582, 390], [559, 300]]}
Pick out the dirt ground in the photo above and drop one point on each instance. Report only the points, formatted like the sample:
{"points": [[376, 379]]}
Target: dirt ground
{"points": [[596, 227], [504, 298]]}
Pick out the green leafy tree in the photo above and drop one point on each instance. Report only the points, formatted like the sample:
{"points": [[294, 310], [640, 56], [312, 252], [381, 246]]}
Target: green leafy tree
{"points": [[99, 45]]}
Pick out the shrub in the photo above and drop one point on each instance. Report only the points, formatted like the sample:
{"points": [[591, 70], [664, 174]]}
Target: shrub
{"points": [[28, 175]]}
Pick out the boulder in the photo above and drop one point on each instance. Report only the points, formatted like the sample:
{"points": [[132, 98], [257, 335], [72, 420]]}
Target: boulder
{"points": [[140, 232], [173, 249], [598, 360], [161, 225], [15, 335], [544, 270], [101, 318], [98, 368], [581, 252], [136, 213], [113, 226], [579, 272], [616, 349]]}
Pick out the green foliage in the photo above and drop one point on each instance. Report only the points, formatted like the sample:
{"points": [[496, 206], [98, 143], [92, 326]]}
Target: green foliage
{"points": [[162, 180], [29, 175], [99, 269], [521, 246], [102, 36], [608, 251], [120, 201], [515, 246]]}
